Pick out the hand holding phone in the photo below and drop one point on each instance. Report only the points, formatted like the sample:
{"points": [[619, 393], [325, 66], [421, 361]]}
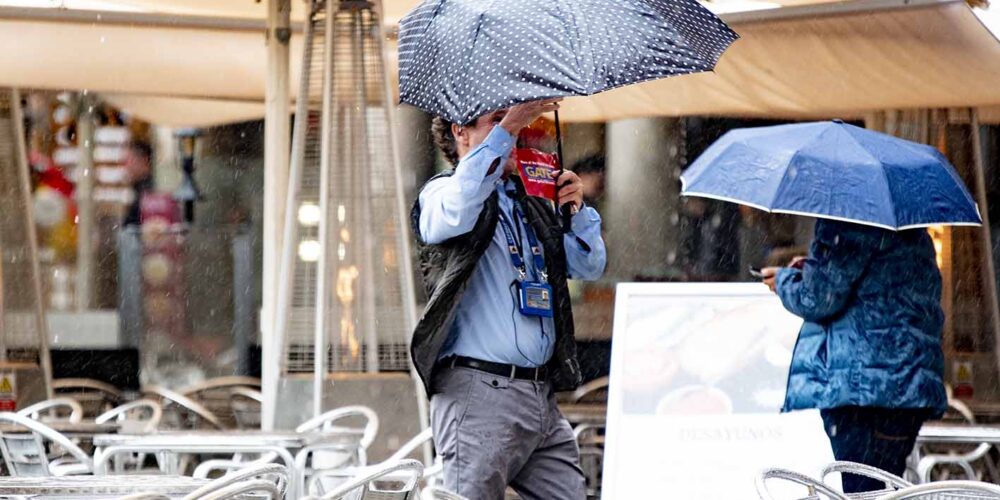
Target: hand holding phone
{"points": [[756, 273]]}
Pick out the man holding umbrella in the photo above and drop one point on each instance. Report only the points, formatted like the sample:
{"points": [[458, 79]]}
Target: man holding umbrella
{"points": [[496, 339]]}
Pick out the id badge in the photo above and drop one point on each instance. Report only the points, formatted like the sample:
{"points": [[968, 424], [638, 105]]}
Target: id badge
{"points": [[536, 299]]}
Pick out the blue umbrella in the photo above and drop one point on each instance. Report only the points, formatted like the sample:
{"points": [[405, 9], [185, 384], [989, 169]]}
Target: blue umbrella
{"points": [[836, 171]]}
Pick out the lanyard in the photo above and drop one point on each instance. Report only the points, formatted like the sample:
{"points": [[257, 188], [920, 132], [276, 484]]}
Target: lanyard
{"points": [[514, 245]]}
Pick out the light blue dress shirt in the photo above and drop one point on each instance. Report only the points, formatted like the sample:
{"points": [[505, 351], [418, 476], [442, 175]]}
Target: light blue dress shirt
{"points": [[489, 325]]}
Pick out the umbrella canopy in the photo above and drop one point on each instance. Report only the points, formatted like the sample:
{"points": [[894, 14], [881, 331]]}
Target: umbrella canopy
{"points": [[462, 58], [836, 171]]}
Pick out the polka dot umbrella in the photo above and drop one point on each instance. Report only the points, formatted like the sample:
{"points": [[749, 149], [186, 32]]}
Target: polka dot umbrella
{"points": [[460, 59]]}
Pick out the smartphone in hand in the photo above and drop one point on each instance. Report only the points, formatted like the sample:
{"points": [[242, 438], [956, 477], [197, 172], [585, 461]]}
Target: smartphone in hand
{"points": [[755, 273]]}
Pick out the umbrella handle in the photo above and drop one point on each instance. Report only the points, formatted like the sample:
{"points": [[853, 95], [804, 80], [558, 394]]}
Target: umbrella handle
{"points": [[566, 210]]}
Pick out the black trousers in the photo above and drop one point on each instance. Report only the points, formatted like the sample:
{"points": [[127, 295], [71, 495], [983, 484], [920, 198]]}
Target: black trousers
{"points": [[879, 437]]}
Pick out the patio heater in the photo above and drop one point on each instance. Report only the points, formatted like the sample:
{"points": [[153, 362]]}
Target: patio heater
{"points": [[25, 369], [345, 299]]}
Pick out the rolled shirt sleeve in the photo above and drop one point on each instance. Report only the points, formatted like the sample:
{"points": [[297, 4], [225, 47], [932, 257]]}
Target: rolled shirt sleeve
{"points": [[450, 206], [586, 254]]}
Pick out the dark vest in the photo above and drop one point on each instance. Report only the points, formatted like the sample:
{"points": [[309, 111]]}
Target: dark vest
{"points": [[447, 267]]}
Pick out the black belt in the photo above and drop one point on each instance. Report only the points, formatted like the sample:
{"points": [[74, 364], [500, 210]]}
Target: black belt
{"points": [[500, 369]]}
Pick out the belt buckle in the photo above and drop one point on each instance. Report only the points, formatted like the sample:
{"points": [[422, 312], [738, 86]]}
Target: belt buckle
{"points": [[513, 372], [538, 371]]}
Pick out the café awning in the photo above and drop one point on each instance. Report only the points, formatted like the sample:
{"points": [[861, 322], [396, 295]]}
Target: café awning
{"points": [[821, 60]]}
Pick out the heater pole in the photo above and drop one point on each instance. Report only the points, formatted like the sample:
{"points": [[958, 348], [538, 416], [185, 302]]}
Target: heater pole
{"points": [[276, 145]]}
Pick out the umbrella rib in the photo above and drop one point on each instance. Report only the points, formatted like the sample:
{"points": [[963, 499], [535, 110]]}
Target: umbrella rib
{"points": [[577, 49], [880, 166], [784, 177]]}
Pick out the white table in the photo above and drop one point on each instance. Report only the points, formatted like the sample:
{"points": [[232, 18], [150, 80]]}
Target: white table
{"points": [[85, 429], [94, 487], [973, 439], [942, 433]]}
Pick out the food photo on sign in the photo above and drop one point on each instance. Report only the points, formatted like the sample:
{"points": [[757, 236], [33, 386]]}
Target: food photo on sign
{"points": [[728, 355]]}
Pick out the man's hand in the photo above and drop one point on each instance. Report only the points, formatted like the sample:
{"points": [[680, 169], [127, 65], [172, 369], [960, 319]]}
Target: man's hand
{"points": [[770, 277], [522, 115], [570, 189]]}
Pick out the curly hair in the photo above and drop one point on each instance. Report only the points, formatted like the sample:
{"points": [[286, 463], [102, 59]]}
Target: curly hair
{"points": [[444, 139]]}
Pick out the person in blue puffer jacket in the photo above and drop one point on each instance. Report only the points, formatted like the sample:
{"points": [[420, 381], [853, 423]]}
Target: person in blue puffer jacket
{"points": [[869, 352]]}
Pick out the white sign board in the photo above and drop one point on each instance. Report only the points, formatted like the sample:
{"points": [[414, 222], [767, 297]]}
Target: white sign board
{"points": [[698, 375]]}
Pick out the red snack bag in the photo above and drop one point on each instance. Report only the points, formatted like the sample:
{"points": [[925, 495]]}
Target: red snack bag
{"points": [[537, 170]]}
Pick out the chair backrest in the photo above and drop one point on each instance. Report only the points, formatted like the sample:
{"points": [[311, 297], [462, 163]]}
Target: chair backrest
{"points": [[276, 474], [138, 417], [24, 452], [436, 493], [216, 383], [588, 434], [815, 489], [240, 490], [245, 404], [24, 455], [326, 421], [144, 496], [595, 391], [892, 482], [592, 464], [54, 410], [216, 394], [95, 396], [185, 412], [952, 490], [385, 481]]}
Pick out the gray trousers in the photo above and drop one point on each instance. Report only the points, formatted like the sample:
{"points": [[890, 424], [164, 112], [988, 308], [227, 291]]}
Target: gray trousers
{"points": [[492, 432]]}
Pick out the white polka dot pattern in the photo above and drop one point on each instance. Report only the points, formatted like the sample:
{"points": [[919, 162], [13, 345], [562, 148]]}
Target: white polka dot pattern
{"points": [[462, 58]]}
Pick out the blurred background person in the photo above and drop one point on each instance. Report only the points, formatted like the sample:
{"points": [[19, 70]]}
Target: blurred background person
{"points": [[138, 167], [591, 173]]}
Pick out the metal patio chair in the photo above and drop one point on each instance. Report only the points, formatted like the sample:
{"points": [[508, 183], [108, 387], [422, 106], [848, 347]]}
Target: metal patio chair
{"points": [[54, 410], [138, 417], [244, 489], [25, 453], [891, 481], [385, 481], [321, 457], [245, 404], [274, 474], [963, 460], [815, 489], [95, 396], [947, 490], [182, 412], [217, 395]]}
